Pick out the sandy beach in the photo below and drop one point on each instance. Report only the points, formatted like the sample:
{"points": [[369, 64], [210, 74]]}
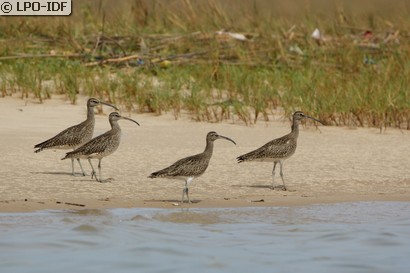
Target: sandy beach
{"points": [[331, 164]]}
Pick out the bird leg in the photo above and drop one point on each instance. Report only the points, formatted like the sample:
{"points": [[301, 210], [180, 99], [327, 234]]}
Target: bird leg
{"points": [[281, 175], [72, 166], [186, 190], [187, 195], [79, 163], [93, 173], [281, 187], [273, 175], [99, 172], [99, 169]]}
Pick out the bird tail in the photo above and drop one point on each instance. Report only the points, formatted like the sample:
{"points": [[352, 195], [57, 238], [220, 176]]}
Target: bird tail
{"points": [[249, 156], [41, 146], [246, 157], [38, 150], [153, 175], [161, 173], [241, 158], [44, 145], [67, 155]]}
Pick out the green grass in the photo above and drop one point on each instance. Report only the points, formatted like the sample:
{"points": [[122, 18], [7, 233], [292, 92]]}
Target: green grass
{"points": [[345, 80]]}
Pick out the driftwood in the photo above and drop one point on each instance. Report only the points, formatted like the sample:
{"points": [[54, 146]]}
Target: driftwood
{"points": [[153, 60], [114, 60], [230, 48], [33, 56]]}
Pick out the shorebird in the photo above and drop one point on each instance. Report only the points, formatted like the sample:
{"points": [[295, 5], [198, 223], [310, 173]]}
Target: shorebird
{"points": [[74, 136], [278, 150], [191, 167], [101, 146]]}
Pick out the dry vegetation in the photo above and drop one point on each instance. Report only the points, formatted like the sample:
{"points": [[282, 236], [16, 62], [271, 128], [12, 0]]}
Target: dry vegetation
{"points": [[220, 59]]}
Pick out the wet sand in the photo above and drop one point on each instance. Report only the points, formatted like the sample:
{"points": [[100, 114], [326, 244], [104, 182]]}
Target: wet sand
{"points": [[330, 165]]}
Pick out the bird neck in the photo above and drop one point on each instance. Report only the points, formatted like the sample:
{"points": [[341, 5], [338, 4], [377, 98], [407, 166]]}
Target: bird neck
{"points": [[209, 148], [115, 126], [295, 128], [90, 113]]}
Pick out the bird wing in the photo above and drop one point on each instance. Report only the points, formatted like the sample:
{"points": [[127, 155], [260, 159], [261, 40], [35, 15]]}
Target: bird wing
{"points": [[96, 145], [70, 137], [277, 148], [189, 166]]}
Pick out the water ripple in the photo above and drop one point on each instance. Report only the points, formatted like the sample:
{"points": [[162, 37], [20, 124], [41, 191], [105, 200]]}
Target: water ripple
{"points": [[346, 237]]}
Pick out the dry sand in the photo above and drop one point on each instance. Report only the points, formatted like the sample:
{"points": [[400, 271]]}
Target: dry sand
{"points": [[330, 164]]}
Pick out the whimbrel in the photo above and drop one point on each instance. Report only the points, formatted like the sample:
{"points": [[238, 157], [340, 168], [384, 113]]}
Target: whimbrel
{"points": [[278, 150], [74, 136], [102, 145], [191, 167]]}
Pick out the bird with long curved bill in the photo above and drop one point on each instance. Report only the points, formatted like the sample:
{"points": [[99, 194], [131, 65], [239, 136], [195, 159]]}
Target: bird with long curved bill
{"points": [[75, 136], [278, 150], [102, 145], [191, 167]]}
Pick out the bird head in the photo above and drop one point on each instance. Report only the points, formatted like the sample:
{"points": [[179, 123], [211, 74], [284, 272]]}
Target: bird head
{"points": [[298, 116], [115, 116], [92, 102], [212, 136]]}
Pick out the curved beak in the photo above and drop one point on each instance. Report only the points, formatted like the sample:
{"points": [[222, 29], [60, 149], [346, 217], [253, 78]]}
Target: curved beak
{"points": [[111, 105], [314, 119], [227, 138], [130, 120]]}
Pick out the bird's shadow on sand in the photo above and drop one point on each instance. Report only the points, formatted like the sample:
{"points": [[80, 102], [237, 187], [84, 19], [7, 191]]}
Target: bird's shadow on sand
{"points": [[68, 174], [277, 188], [172, 201], [54, 173], [253, 186]]}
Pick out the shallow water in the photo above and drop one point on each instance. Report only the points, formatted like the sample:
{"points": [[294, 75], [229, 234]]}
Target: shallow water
{"points": [[345, 237]]}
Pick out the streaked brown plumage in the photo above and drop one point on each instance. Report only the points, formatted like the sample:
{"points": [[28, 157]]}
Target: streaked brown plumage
{"points": [[191, 167], [278, 150], [76, 135], [102, 145]]}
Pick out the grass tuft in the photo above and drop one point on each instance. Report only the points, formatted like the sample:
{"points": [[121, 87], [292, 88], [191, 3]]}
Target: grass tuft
{"points": [[220, 60]]}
